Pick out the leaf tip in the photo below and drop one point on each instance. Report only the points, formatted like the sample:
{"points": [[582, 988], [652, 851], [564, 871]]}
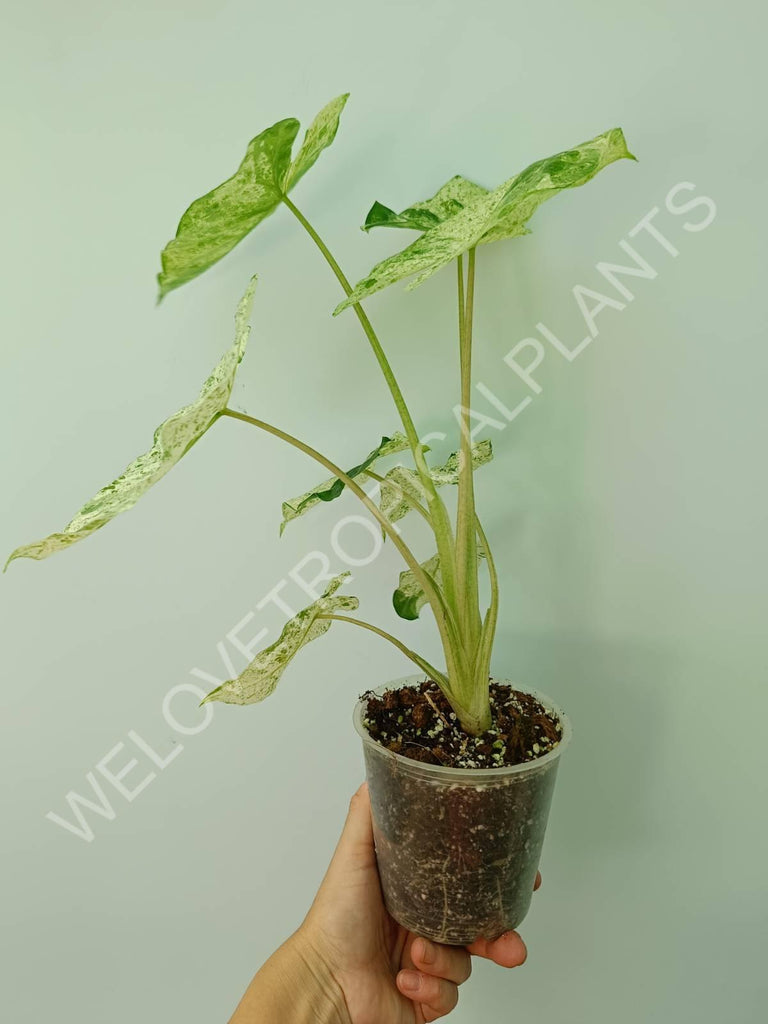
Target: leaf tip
{"points": [[162, 288], [627, 154], [16, 553], [378, 215]]}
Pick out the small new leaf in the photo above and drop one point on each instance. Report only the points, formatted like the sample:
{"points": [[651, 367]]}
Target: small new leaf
{"points": [[214, 224], [263, 674], [402, 486], [172, 440], [409, 598], [332, 488], [501, 213]]}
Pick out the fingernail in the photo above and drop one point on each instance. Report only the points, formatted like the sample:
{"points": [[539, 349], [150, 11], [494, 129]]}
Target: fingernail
{"points": [[410, 981], [426, 951]]}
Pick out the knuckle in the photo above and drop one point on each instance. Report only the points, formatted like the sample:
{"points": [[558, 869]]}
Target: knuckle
{"points": [[429, 989]]}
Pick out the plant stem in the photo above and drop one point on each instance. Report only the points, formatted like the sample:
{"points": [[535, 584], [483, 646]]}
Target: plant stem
{"points": [[443, 614], [488, 632], [441, 521], [466, 546], [423, 664]]}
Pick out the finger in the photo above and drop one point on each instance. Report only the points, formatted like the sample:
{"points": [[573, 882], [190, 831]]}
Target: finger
{"points": [[355, 845], [449, 962], [537, 883], [357, 827], [436, 994], [507, 951]]}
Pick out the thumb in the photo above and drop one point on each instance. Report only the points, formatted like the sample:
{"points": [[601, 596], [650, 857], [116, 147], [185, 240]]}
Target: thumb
{"points": [[355, 847], [348, 902]]}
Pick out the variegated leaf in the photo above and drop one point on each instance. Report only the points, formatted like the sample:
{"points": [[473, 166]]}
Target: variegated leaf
{"points": [[402, 487], [214, 224], [447, 201], [409, 598], [401, 484], [263, 674], [332, 488], [448, 473], [501, 213], [172, 440], [319, 136]]}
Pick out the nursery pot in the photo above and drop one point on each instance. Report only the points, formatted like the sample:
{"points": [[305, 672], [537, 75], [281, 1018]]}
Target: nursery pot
{"points": [[458, 848]]}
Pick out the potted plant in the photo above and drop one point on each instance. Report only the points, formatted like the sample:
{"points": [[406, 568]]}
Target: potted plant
{"points": [[460, 767]]}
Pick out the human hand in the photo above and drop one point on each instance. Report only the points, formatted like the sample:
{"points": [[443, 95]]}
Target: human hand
{"points": [[385, 974]]}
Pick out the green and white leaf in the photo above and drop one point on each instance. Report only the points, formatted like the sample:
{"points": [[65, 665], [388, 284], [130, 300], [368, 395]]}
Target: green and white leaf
{"points": [[501, 213], [319, 136], [214, 224], [172, 440], [448, 473], [330, 489], [401, 490], [447, 201], [409, 598], [263, 674], [402, 486]]}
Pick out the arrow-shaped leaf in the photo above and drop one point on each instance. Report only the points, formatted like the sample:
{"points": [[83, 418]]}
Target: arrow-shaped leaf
{"points": [[401, 484], [215, 223], [263, 674], [332, 488], [172, 440], [501, 213]]}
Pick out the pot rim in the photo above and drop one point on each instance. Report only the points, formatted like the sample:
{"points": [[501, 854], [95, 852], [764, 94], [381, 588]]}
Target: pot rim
{"points": [[464, 774]]}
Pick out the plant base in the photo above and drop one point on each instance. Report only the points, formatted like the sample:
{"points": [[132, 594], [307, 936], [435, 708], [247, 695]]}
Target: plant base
{"points": [[458, 849]]}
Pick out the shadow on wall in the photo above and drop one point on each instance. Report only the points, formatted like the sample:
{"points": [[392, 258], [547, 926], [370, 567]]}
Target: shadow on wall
{"points": [[617, 697]]}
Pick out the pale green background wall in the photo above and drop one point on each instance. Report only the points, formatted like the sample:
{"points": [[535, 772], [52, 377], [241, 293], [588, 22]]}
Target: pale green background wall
{"points": [[627, 504]]}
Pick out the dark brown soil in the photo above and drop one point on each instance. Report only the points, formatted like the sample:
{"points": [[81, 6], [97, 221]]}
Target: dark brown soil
{"points": [[417, 722]]}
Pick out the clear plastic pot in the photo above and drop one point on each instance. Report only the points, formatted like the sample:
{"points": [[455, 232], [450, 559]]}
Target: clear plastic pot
{"points": [[458, 849]]}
